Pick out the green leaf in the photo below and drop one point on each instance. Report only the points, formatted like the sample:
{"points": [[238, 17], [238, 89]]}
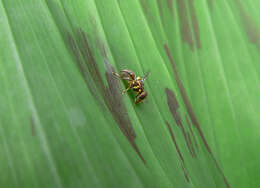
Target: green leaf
{"points": [[65, 123]]}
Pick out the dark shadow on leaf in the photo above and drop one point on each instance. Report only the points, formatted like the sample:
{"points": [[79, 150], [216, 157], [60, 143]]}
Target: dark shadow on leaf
{"points": [[178, 151], [107, 96], [191, 113], [173, 106]]}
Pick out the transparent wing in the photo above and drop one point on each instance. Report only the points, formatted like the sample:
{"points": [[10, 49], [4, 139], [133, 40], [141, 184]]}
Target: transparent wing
{"points": [[127, 75], [123, 77], [146, 75]]}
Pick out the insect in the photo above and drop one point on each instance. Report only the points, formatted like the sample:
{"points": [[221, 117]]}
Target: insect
{"points": [[134, 82]]}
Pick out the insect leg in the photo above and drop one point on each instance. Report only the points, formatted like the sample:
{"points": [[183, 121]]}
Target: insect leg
{"points": [[129, 87], [125, 90]]}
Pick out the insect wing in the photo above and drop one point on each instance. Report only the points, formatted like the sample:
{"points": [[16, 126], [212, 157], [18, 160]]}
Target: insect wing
{"points": [[127, 75], [146, 75]]}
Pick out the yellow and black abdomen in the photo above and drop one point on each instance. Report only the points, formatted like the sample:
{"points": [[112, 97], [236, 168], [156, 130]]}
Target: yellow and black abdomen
{"points": [[137, 86]]}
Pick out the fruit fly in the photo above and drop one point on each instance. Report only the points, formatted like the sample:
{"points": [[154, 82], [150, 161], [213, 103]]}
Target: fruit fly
{"points": [[134, 82]]}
